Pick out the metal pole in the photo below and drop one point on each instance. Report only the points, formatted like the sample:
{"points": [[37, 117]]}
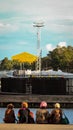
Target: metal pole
{"points": [[38, 63]]}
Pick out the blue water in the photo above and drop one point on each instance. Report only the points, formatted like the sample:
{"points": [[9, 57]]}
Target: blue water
{"points": [[68, 112]]}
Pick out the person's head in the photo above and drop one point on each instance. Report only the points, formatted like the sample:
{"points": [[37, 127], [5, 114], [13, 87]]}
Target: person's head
{"points": [[57, 105], [24, 105], [43, 104], [10, 106]]}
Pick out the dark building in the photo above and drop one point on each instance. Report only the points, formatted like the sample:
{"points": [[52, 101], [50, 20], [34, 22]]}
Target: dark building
{"points": [[35, 85]]}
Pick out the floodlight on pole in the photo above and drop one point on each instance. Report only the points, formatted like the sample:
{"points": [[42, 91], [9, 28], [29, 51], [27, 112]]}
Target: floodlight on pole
{"points": [[38, 63]]}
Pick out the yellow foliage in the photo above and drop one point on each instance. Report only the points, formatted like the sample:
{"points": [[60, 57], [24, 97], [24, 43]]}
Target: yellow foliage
{"points": [[24, 57]]}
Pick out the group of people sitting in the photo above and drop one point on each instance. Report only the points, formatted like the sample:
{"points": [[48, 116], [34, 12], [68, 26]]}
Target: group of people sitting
{"points": [[43, 116]]}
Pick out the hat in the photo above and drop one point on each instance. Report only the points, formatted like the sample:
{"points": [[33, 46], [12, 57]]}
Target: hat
{"points": [[43, 104], [10, 106], [25, 104], [57, 105]]}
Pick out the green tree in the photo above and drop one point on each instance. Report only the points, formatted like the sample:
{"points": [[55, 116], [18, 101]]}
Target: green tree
{"points": [[6, 64], [46, 64], [27, 65], [61, 57], [16, 64]]}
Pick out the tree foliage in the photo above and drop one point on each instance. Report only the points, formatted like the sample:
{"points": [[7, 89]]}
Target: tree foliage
{"points": [[6, 64], [61, 57]]}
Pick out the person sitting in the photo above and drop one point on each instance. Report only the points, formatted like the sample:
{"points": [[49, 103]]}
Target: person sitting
{"points": [[55, 115], [42, 114], [30, 117], [24, 114], [9, 114]]}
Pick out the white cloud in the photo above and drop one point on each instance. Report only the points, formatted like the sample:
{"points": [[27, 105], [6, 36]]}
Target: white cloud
{"points": [[61, 44], [53, 9], [49, 11], [49, 47], [4, 28], [1, 25], [22, 43]]}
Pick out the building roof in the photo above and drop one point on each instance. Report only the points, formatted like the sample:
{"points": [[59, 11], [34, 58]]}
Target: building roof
{"points": [[24, 57], [43, 73], [50, 73]]}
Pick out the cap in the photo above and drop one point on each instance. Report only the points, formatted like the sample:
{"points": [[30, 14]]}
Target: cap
{"points": [[57, 105], [43, 104]]}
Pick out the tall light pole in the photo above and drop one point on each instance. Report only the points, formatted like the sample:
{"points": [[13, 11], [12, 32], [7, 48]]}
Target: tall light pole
{"points": [[38, 63]]}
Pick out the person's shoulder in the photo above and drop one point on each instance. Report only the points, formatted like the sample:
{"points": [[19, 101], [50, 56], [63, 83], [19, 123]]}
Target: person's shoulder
{"points": [[61, 111], [38, 110], [20, 109], [42, 111], [53, 110], [27, 109]]}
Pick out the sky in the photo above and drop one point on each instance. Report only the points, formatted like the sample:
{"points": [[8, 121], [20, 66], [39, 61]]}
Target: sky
{"points": [[17, 33]]}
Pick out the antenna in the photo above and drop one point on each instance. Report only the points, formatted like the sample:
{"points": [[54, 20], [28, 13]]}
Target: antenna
{"points": [[38, 25]]}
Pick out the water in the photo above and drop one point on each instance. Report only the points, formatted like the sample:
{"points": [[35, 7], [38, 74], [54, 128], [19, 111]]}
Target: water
{"points": [[68, 112]]}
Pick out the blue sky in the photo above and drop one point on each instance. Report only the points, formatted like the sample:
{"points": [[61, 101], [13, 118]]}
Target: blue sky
{"points": [[17, 33]]}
